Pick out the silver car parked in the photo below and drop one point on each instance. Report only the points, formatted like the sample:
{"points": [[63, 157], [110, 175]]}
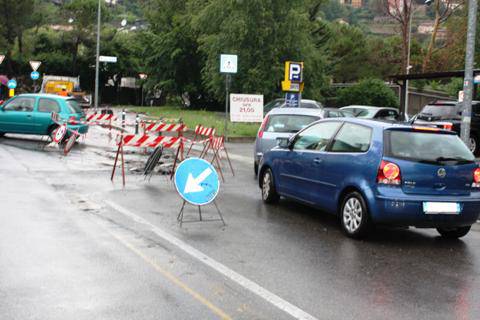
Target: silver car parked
{"points": [[282, 123]]}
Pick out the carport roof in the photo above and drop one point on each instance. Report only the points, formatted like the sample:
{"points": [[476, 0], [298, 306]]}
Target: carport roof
{"points": [[433, 75]]}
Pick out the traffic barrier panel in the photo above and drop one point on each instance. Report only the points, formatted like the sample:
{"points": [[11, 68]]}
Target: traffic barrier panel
{"points": [[202, 132], [60, 132], [146, 141], [217, 146]]}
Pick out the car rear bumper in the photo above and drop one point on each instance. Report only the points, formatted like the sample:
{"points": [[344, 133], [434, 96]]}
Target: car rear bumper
{"points": [[408, 211]]}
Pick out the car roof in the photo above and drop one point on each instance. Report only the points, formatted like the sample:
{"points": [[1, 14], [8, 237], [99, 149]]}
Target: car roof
{"points": [[43, 95], [368, 107], [382, 125], [331, 109], [297, 111]]}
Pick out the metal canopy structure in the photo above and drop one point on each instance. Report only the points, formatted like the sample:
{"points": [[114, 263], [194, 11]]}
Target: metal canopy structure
{"points": [[402, 78]]}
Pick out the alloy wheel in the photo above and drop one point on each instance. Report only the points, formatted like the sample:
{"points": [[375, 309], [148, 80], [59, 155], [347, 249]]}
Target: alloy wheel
{"points": [[352, 215]]}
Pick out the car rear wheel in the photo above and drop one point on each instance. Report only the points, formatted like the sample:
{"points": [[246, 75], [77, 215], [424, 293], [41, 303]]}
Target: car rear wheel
{"points": [[453, 233], [474, 144], [354, 218], [269, 194]]}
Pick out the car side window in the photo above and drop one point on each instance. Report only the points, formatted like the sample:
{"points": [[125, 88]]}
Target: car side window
{"points": [[316, 137], [20, 104], [352, 138], [386, 114], [48, 105]]}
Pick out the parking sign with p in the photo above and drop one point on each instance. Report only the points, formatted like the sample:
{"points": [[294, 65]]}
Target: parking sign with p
{"points": [[295, 72]]}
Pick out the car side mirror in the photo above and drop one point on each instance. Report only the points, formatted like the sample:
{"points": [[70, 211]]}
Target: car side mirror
{"points": [[283, 143]]}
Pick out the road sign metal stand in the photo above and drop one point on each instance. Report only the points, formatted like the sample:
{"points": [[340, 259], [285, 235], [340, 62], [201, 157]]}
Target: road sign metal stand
{"points": [[200, 217]]}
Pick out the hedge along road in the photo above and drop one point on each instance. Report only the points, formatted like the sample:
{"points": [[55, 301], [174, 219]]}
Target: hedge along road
{"points": [[92, 247]]}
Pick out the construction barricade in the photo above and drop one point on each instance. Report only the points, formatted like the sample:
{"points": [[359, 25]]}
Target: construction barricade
{"points": [[146, 141], [59, 133], [217, 147], [205, 134]]}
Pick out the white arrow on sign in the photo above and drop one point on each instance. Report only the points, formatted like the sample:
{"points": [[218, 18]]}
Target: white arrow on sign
{"points": [[1, 58], [193, 184], [35, 65]]}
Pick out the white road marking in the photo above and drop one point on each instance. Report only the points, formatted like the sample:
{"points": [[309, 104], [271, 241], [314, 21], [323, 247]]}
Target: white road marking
{"points": [[249, 285]]}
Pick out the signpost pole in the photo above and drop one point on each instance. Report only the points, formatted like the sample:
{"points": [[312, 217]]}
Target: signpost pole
{"points": [[97, 62], [227, 101]]}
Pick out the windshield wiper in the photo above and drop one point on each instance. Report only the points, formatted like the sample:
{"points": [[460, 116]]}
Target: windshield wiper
{"points": [[457, 159]]}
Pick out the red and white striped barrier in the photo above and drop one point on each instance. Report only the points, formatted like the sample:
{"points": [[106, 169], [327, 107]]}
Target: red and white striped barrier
{"points": [[165, 127], [217, 145], [202, 132], [147, 141], [100, 117]]}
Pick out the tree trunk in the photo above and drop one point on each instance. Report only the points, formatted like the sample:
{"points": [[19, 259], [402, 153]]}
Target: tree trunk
{"points": [[433, 38]]}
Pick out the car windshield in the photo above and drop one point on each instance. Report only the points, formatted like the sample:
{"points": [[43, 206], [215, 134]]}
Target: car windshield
{"points": [[366, 113], [273, 104], [73, 106], [426, 147], [288, 123], [440, 110], [360, 112]]}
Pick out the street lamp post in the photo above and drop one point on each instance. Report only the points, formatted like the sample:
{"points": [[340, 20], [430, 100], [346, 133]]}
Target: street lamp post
{"points": [[97, 62], [143, 77]]}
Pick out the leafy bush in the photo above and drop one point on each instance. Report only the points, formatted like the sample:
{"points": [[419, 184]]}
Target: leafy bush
{"points": [[370, 92]]}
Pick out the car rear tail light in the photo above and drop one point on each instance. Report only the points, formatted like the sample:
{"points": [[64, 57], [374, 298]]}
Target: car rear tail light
{"points": [[389, 173], [476, 178], [262, 127], [448, 126]]}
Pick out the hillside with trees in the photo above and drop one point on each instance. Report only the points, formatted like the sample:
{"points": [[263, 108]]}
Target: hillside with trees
{"points": [[178, 42]]}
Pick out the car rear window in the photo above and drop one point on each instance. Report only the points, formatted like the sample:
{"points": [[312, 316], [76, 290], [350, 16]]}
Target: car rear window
{"points": [[427, 147], [440, 110], [288, 123], [73, 106]]}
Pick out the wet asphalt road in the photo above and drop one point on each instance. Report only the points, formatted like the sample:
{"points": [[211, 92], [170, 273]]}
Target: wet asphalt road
{"points": [[75, 246]]}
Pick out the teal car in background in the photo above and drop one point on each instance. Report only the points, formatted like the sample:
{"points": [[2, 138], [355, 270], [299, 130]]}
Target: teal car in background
{"points": [[31, 114]]}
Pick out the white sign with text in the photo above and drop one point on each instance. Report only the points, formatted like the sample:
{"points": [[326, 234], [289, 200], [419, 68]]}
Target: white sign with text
{"points": [[246, 108]]}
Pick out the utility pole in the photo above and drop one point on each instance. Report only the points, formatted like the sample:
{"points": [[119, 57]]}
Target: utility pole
{"points": [[97, 63], [468, 80], [407, 71]]}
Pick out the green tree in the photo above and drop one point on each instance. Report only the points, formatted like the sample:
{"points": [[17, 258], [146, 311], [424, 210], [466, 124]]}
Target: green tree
{"points": [[264, 34], [370, 92]]}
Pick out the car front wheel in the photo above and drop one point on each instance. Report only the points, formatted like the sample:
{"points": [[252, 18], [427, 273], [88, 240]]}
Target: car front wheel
{"points": [[354, 216], [269, 193], [453, 233]]}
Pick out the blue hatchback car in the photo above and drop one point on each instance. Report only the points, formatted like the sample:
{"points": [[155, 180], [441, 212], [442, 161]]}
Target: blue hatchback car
{"points": [[369, 172]]}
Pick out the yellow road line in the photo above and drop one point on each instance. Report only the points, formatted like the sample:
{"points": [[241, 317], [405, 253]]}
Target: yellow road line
{"points": [[172, 278]]}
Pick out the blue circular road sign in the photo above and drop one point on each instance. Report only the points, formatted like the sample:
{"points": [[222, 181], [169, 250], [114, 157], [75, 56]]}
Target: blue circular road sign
{"points": [[35, 75], [197, 181], [12, 84]]}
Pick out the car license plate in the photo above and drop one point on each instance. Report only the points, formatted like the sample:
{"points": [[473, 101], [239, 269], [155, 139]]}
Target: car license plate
{"points": [[441, 208]]}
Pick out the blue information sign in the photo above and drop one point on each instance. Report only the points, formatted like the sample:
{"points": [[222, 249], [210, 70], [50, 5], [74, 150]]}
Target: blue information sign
{"points": [[292, 99], [35, 75], [197, 181], [12, 84]]}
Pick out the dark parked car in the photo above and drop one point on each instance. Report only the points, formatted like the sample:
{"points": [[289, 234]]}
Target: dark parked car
{"points": [[448, 115], [373, 172]]}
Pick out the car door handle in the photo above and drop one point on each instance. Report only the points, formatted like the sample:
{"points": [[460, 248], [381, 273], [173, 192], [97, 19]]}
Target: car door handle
{"points": [[317, 161], [29, 115]]}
